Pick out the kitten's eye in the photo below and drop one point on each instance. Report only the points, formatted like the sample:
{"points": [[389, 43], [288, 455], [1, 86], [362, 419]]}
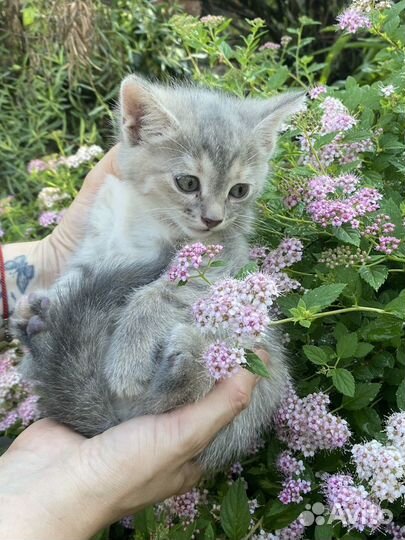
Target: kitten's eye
{"points": [[239, 191], [187, 183]]}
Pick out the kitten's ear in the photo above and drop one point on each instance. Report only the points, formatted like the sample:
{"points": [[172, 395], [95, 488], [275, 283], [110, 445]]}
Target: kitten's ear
{"points": [[274, 112], [142, 115]]}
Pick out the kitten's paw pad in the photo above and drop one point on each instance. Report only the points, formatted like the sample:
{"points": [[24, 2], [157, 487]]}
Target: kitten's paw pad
{"points": [[30, 314]]}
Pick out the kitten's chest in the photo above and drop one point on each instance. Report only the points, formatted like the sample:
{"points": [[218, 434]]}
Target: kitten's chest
{"points": [[124, 226]]}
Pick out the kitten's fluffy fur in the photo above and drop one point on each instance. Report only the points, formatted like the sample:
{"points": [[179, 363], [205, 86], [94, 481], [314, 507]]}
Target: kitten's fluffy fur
{"points": [[119, 340]]}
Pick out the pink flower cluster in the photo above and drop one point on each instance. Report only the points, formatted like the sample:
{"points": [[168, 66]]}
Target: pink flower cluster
{"points": [[395, 430], [351, 504], [49, 197], [326, 204], [379, 229], [294, 531], [239, 308], [184, 507], [335, 116], [317, 91], [273, 261], [16, 401], [192, 257], [306, 426], [383, 467], [288, 465], [293, 489], [353, 20], [223, 361], [269, 45], [47, 219], [83, 155]]}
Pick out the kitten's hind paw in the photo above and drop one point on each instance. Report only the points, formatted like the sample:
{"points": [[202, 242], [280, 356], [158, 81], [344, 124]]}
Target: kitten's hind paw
{"points": [[30, 315]]}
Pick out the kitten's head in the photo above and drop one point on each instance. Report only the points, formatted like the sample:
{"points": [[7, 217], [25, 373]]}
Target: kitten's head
{"points": [[200, 156]]}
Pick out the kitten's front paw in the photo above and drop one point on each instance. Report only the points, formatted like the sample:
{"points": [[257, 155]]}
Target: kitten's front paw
{"points": [[30, 315]]}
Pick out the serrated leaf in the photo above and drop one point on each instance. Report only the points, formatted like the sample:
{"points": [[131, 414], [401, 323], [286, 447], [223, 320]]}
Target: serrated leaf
{"points": [[400, 395], [256, 365], [343, 381], [145, 521], [323, 532], [363, 395], [375, 276], [315, 354], [249, 268], [347, 345], [363, 349], [235, 515], [348, 236], [323, 296], [382, 329], [278, 515], [397, 306]]}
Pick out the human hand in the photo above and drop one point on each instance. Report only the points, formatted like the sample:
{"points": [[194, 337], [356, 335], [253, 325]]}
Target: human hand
{"points": [[56, 484]]}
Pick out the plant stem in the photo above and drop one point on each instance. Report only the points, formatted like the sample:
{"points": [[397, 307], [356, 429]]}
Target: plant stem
{"points": [[331, 313]]}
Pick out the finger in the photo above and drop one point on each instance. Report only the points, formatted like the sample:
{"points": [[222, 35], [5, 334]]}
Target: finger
{"points": [[199, 422]]}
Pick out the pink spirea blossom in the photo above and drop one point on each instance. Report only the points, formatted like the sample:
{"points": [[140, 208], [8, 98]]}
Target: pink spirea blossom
{"points": [[223, 361], [47, 219], [257, 253], [388, 244], [49, 197], [306, 425], [396, 531], [383, 467], [285, 40], [288, 465], [235, 470], [286, 254], [269, 45], [395, 430], [192, 257], [353, 20], [212, 19], [17, 403], [293, 489], [37, 165], [351, 504], [237, 307], [380, 225], [294, 531], [185, 506], [335, 116], [317, 91]]}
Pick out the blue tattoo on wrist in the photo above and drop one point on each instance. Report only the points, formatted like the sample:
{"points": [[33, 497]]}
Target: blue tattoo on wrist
{"points": [[24, 271]]}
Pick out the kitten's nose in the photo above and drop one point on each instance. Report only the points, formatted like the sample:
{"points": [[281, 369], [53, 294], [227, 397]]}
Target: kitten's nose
{"points": [[211, 223]]}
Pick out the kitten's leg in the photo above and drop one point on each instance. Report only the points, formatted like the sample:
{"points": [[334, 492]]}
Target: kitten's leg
{"points": [[145, 322], [30, 315]]}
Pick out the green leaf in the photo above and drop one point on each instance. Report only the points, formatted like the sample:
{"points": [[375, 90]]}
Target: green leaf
{"points": [[397, 306], [364, 394], [401, 395], [343, 381], [347, 345], [363, 349], [375, 276], [315, 354], [102, 535], [348, 236], [209, 533], [323, 296], [217, 264], [235, 515], [249, 268], [368, 421], [29, 15], [277, 515], [382, 329], [145, 522], [323, 532], [256, 366]]}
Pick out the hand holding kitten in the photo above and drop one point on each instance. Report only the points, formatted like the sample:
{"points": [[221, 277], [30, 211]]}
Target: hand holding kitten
{"points": [[71, 487]]}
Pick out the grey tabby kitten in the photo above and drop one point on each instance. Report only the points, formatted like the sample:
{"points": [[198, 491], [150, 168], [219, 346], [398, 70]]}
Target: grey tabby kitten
{"points": [[115, 339]]}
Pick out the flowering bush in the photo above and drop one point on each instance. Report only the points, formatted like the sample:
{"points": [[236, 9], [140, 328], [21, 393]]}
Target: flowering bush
{"points": [[331, 240]]}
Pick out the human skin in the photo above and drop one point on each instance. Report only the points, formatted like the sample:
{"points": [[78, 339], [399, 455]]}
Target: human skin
{"points": [[56, 484]]}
